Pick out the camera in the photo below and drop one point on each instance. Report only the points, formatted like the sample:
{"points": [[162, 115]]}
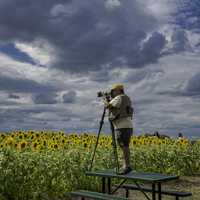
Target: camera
{"points": [[106, 94], [103, 94]]}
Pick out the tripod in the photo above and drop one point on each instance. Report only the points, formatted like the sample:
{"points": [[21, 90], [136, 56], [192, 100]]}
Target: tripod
{"points": [[114, 145]]}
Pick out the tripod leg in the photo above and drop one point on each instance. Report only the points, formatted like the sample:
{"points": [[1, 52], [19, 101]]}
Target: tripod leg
{"points": [[101, 125], [114, 147]]}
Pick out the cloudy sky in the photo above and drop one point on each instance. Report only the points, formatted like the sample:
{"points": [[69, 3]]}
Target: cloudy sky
{"points": [[56, 55]]}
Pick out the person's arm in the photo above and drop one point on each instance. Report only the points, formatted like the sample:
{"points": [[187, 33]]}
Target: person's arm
{"points": [[107, 104], [115, 102]]}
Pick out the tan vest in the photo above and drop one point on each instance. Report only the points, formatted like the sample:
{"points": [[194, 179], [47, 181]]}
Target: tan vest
{"points": [[125, 109]]}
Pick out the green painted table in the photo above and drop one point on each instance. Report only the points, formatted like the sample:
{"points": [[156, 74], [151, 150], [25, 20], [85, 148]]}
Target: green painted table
{"points": [[156, 179]]}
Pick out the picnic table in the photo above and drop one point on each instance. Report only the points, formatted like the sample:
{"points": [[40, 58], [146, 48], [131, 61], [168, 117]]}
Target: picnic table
{"points": [[155, 179]]}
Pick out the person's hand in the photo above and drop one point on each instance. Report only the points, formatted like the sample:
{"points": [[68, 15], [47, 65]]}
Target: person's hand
{"points": [[106, 103]]}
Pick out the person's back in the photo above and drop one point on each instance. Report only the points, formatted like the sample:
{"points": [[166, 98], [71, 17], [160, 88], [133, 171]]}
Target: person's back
{"points": [[124, 115]]}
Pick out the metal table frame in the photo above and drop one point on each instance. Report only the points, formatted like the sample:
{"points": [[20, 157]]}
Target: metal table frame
{"points": [[156, 179]]}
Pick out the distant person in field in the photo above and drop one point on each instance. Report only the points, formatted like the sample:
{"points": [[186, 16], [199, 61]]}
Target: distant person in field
{"points": [[160, 136], [180, 135], [156, 134], [120, 114]]}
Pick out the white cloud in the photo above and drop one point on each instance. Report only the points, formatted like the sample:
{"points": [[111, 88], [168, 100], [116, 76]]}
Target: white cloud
{"points": [[40, 51], [112, 4], [161, 9], [16, 69], [60, 10]]}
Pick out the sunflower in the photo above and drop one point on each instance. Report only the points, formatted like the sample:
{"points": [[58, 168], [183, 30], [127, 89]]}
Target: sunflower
{"points": [[85, 145], [21, 136], [25, 135], [2, 145], [22, 144], [16, 145], [183, 141], [2, 136], [40, 147], [44, 142], [63, 141], [37, 135], [55, 146], [32, 136], [164, 141], [61, 133], [31, 132], [35, 145], [134, 142], [9, 141]]}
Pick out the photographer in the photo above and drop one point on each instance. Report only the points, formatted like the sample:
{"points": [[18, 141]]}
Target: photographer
{"points": [[120, 115]]}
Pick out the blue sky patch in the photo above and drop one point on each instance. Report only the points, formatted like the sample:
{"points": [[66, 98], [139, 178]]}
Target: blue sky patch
{"points": [[11, 50]]}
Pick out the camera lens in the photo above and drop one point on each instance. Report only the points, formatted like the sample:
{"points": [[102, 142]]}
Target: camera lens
{"points": [[99, 94]]}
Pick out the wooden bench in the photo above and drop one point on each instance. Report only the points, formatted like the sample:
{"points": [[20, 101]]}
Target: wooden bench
{"points": [[95, 195], [176, 194]]}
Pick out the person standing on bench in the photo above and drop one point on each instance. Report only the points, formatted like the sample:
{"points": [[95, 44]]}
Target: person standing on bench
{"points": [[120, 114]]}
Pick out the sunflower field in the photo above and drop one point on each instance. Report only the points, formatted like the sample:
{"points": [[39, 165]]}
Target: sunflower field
{"points": [[48, 165]]}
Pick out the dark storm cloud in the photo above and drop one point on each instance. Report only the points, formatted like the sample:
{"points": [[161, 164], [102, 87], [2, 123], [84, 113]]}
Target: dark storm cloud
{"points": [[24, 19], [135, 77], [139, 75], [180, 41], [23, 85], [100, 76], [192, 89], [8, 103], [14, 113], [45, 98], [41, 109], [69, 97], [27, 117], [193, 86], [13, 96], [150, 52], [86, 35]]}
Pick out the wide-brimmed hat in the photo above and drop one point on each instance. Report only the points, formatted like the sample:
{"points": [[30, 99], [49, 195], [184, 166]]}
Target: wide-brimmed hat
{"points": [[117, 86]]}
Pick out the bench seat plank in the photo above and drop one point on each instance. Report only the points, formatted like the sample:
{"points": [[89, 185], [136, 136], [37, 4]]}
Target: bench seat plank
{"points": [[96, 195]]}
